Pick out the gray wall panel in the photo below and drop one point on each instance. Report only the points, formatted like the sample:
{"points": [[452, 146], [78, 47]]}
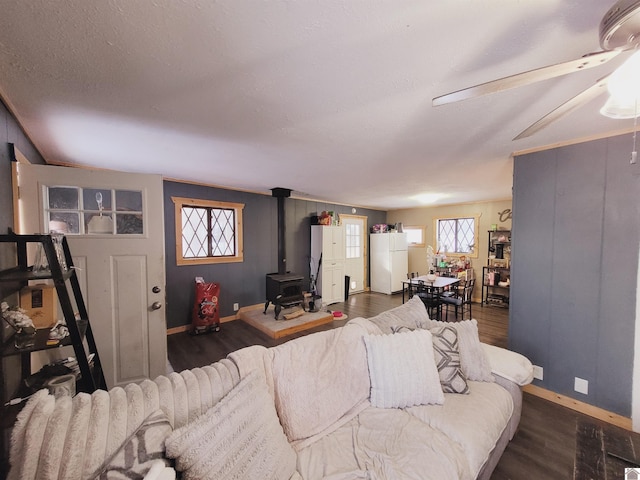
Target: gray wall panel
{"points": [[583, 199], [243, 283], [576, 267], [10, 134], [532, 240], [238, 281], [620, 234]]}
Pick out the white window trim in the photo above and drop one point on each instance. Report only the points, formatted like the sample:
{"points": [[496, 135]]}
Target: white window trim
{"points": [[476, 230]]}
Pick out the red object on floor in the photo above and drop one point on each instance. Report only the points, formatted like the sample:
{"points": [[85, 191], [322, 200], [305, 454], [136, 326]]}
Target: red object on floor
{"points": [[205, 317]]}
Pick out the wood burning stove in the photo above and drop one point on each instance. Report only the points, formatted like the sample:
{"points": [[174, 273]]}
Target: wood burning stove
{"points": [[284, 289]]}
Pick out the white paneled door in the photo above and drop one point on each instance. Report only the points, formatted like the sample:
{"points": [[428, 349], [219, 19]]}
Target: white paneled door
{"points": [[114, 224], [355, 251]]}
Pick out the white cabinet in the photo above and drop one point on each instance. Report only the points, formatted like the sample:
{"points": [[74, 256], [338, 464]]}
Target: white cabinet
{"points": [[389, 261], [332, 283], [327, 249]]}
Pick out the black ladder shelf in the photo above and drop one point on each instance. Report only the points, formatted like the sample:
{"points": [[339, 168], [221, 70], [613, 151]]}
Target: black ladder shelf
{"points": [[91, 374]]}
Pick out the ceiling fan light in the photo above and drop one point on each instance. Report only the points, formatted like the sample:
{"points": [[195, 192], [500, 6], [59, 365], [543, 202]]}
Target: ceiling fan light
{"points": [[624, 82], [618, 109]]}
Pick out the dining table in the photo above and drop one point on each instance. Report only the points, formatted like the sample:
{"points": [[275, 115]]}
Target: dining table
{"points": [[439, 283]]}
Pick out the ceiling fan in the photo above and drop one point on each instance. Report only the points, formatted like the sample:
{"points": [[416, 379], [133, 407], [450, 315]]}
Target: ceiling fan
{"points": [[619, 32]]}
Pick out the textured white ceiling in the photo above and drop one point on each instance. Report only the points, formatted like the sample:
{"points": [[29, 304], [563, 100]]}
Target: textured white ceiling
{"points": [[329, 98]]}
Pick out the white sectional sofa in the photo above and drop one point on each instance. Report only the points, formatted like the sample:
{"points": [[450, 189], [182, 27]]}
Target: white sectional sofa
{"points": [[397, 396]]}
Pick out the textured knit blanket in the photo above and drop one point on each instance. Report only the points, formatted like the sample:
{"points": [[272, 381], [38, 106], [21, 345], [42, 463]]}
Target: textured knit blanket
{"points": [[74, 438]]}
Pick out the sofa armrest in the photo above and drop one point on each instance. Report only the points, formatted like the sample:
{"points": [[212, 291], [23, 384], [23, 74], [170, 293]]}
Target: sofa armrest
{"points": [[509, 365]]}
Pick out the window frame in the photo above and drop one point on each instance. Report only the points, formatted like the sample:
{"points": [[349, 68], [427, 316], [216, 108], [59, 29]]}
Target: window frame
{"points": [[476, 230], [347, 246], [180, 202], [423, 229], [82, 211]]}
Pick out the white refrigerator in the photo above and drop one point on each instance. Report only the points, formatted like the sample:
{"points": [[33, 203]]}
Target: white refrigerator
{"points": [[389, 261]]}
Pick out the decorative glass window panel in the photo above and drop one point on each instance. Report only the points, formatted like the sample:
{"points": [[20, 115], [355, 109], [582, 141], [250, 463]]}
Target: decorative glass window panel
{"points": [[96, 199], [223, 238], [64, 198], [91, 211], [64, 222], [62, 209], [195, 232], [128, 224], [457, 235], [352, 240], [130, 202], [208, 231]]}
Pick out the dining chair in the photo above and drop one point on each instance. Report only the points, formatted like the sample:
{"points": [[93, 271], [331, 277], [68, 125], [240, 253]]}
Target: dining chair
{"points": [[410, 286], [458, 287], [430, 296], [461, 301]]}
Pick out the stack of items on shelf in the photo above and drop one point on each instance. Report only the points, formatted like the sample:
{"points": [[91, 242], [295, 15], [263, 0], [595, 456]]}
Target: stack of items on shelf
{"points": [[497, 274]]}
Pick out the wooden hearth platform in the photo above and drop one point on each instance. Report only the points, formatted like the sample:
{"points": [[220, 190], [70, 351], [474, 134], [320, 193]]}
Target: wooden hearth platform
{"points": [[281, 328]]}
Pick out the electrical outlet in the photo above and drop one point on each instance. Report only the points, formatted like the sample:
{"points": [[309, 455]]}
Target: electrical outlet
{"points": [[236, 307], [538, 372], [581, 385]]}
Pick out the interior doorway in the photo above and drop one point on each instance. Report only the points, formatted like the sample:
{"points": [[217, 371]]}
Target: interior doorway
{"points": [[355, 227]]}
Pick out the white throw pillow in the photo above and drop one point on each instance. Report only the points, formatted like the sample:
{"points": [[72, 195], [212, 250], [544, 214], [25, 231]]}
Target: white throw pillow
{"points": [[238, 438], [402, 370], [411, 314], [473, 359]]}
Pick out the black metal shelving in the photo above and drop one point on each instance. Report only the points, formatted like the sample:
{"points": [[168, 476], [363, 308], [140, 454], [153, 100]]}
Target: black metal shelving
{"points": [[494, 294], [499, 246], [91, 375]]}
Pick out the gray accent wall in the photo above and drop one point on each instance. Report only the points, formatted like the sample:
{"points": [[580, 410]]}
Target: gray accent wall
{"points": [[11, 137], [575, 237], [243, 283]]}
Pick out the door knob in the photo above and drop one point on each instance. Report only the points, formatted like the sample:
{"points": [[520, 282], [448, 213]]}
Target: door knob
{"points": [[156, 289], [156, 306]]}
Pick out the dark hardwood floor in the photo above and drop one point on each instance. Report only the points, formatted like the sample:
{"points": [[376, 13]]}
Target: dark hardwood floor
{"points": [[550, 440], [186, 351]]}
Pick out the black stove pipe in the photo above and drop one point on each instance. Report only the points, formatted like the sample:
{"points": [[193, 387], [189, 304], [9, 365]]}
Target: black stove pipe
{"points": [[281, 194]]}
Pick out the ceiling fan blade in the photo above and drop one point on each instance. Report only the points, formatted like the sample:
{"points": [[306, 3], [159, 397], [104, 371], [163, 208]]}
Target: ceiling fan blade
{"points": [[588, 61], [570, 105]]}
